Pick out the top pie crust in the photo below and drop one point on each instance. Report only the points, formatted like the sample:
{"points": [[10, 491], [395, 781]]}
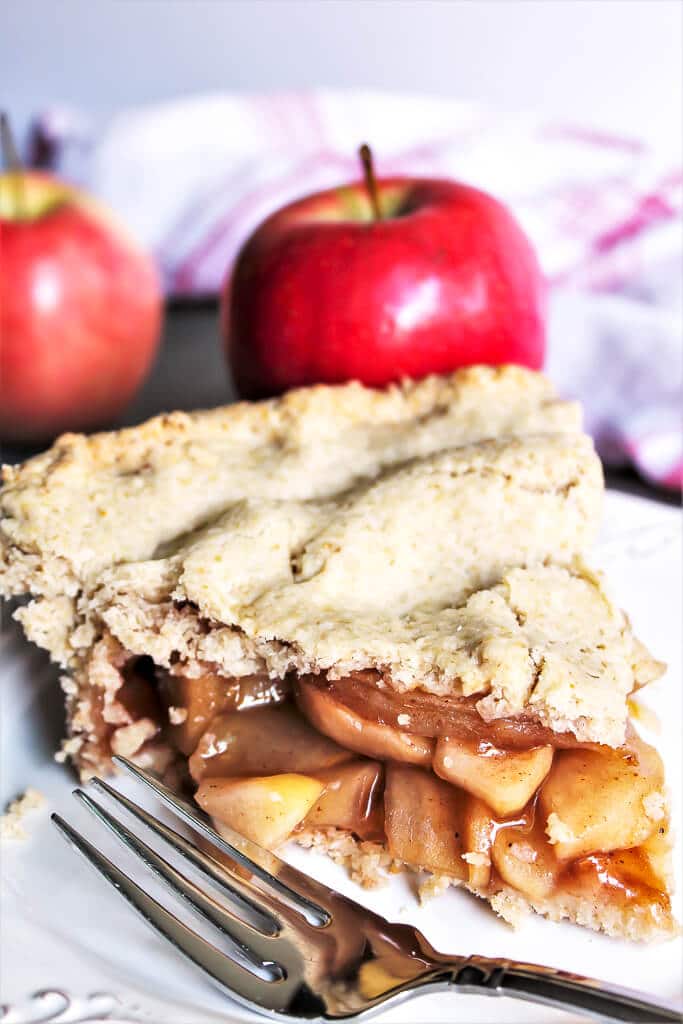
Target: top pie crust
{"points": [[92, 502], [430, 532]]}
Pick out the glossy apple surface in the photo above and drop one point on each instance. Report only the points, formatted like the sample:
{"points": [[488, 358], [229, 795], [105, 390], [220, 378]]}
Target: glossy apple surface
{"points": [[323, 292], [80, 310]]}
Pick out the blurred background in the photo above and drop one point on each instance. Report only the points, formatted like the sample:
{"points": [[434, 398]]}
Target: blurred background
{"points": [[193, 119], [614, 63]]}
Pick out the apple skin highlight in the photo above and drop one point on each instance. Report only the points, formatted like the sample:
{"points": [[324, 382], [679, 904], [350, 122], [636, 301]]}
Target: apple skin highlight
{"points": [[323, 292]]}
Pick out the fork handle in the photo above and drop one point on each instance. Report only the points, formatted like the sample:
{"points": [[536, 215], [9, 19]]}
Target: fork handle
{"points": [[562, 990]]}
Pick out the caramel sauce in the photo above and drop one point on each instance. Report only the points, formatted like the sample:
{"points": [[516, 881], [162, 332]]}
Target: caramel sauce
{"points": [[523, 822], [621, 876]]}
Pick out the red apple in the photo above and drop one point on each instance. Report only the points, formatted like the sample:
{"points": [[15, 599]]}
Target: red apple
{"points": [[80, 310], [325, 291]]}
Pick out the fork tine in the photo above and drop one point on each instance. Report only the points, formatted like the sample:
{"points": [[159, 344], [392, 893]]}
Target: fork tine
{"points": [[239, 892], [258, 949], [238, 981], [248, 854]]}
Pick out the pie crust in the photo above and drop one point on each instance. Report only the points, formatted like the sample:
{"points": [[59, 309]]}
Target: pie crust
{"points": [[392, 587]]}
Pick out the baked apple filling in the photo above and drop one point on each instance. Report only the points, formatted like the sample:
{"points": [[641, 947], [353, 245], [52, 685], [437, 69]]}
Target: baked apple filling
{"points": [[506, 808]]}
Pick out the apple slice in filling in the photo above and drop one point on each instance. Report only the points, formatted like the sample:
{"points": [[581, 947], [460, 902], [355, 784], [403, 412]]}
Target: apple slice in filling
{"points": [[199, 699], [601, 800], [263, 741], [478, 833], [505, 779], [424, 820], [526, 861], [264, 809], [351, 799], [358, 734]]}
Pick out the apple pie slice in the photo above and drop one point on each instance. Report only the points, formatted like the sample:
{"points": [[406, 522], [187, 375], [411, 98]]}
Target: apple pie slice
{"points": [[362, 620]]}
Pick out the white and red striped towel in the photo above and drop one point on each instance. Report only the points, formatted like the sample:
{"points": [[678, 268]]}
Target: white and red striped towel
{"points": [[192, 178]]}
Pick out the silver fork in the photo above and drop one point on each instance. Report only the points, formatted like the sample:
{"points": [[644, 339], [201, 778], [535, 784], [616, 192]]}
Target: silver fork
{"points": [[293, 949]]}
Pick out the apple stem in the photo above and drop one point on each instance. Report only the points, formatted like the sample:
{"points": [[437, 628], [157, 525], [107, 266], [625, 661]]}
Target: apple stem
{"points": [[11, 160], [365, 154]]}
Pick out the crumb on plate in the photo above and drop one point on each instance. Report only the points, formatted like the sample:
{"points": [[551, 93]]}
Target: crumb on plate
{"points": [[12, 821]]}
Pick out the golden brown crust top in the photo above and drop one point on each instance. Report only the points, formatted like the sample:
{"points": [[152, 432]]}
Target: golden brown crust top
{"points": [[90, 502]]}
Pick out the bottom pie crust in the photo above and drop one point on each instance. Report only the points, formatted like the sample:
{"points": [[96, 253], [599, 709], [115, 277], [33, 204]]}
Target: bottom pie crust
{"points": [[369, 864]]}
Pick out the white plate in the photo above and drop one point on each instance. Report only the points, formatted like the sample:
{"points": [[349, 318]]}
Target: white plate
{"points": [[65, 929]]}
